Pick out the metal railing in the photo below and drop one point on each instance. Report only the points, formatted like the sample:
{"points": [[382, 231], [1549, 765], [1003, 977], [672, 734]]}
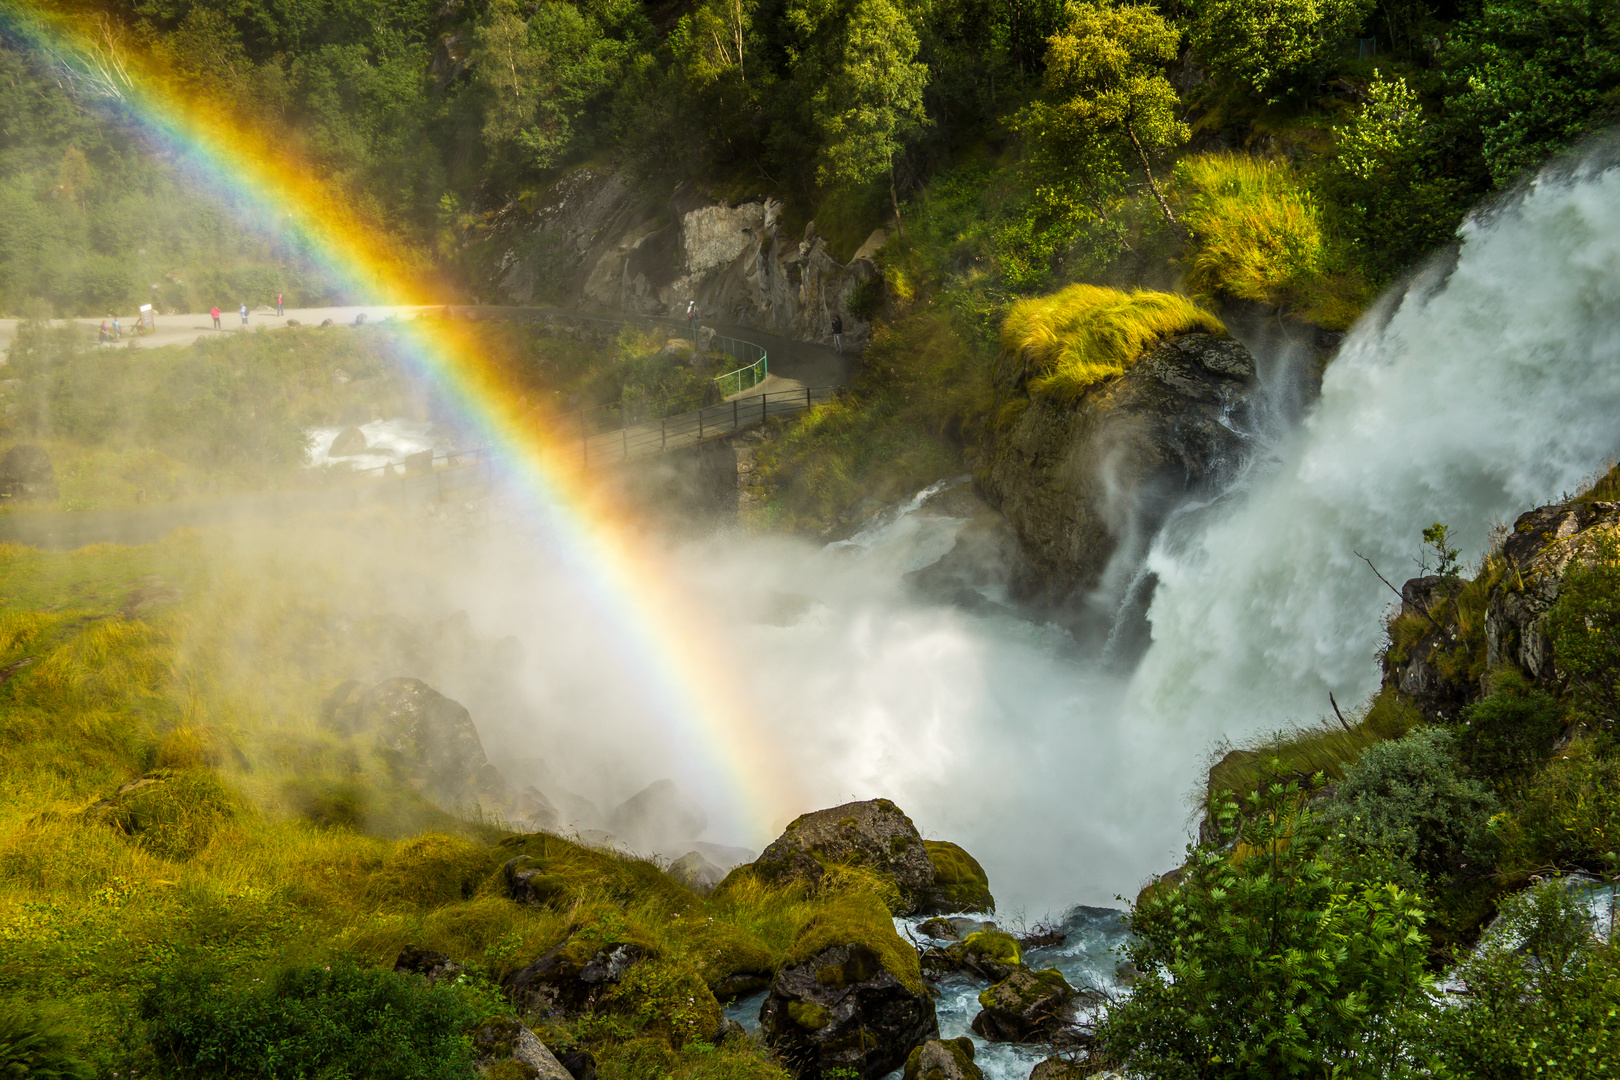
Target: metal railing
{"points": [[699, 425]]}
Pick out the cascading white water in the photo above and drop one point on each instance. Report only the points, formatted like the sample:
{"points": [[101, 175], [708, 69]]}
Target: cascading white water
{"points": [[1489, 386]]}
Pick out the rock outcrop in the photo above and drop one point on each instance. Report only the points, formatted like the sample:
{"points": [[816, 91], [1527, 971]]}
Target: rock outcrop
{"points": [[936, 1059], [1080, 481], [501, 1039], [599, 242], [1026, 1006], [427, 738]]}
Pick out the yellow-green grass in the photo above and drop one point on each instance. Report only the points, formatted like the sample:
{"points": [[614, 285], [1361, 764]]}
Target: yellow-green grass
{"points": [[215, 692], [1258, 235], [1084, 334], [1327, 748]]}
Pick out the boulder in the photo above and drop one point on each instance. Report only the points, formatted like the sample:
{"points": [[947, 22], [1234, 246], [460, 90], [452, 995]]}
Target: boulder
{"points": [[1026, 1006], [849, 995], [26, 473], [874, 835], [503, 1040], [1057, 1068], [427, 738], [533, 812], [434, 966], [581, 1065], [559, 982], [960, 883], [939, 929], [348, 443], [1077, 480], [660, 817], [696, 873], [991, 954], [937, 1059]]}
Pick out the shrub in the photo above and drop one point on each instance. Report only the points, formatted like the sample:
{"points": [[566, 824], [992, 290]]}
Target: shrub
{"points": [[309, 1022], [1508, 734], [1569, 818], [1584, 628], [1541, 997], [1408, 799], [1257, 232], [1087, 333], [1264, 964]]}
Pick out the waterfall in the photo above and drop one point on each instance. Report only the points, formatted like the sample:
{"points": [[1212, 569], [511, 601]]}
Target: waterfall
{"points": [[1488, 384]]}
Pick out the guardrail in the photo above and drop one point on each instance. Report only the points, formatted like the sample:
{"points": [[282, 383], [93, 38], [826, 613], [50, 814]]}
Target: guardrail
{"points": [[691, 428]]}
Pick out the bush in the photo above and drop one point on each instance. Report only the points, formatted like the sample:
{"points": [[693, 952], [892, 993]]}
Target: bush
{"points": [[1541, 997], [1507, 735], [1409, 800], [1262, 963], [1569, 819], [309, 1022], [1256, 231], [1087, 333], [1584, 629]]}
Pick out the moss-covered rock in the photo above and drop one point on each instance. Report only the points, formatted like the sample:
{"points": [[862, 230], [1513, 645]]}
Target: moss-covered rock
{"points": [[949, 1059], [1026, 1006], [733, 961], [849, 994], [1057, 1068], [875, 836], [960, 883], [509, 1051], [991, 954], [174, 813]]}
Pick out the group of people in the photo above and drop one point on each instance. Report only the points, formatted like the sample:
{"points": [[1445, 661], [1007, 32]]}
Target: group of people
{"points": [[243, 311], [112, 332]]}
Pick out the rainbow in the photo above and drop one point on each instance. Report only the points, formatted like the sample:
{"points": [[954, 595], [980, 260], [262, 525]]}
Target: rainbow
{"points": [[666, 642]]}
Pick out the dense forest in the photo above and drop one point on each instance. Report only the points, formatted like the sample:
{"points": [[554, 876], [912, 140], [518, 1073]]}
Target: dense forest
{"points": [[1063, 124]]}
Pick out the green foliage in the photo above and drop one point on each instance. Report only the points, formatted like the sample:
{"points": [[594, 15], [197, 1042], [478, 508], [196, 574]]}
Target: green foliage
{"points": [[857, 917], [1408, 800], [1533, 76], [1264, 963], [1506, 736], [1584, 628], [34, 1049], [1541, 997], [1279, 48], [328, 1022], [176, 814], [1567, 819], [1086, 333], [1105, 96]]}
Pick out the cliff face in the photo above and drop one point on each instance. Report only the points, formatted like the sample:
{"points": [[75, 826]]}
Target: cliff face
{"points": [[599, 243], [1080, 481]]}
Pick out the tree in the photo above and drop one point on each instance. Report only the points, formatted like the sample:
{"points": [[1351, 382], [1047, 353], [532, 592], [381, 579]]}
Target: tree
{"points": [[1274, 48], [1260, 962], [1105, 82], [874, 99], [73, 178]]}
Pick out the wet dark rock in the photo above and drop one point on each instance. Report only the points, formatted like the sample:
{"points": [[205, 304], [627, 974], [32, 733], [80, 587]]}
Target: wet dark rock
{"points": [[1027, 1006], [842, 1009], [1164, 432], [531, 886], [581, 1065], [435, 966], [556, 982], [948, 1059], [939, 929], [26, 473], [349, 442]]}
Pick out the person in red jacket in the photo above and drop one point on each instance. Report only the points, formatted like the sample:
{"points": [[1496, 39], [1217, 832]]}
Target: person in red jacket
{"points": [[214, 311]]}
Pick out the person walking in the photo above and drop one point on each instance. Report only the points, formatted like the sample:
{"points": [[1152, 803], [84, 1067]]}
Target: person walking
{"points": [[105, 333], [244, 315], [838, 333], [279, 309], [117, 331], [214, 311], [691, 318]]}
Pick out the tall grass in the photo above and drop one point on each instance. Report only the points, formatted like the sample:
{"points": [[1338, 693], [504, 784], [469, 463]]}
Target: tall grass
{"points": [[1084, 334], [1257, 231]]}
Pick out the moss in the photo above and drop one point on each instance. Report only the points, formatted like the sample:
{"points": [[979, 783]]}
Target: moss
{"points": [[960, 1050], [860, 918], [1084, 334], [1025, 989], [808, 1015], [511, 1069], [993, 945], [725, 951], [174, 813], [429, 871], [960, 883], [669, 998]]}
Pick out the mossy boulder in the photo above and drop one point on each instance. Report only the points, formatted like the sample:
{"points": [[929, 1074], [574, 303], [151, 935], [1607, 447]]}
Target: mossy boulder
{"points": [[1057, 1068], [849, 994], [949, 1059], [733, 961], [1026, 1006], [509, 1051], [960, 883], [991, 954], [874, 835], [427, 739], [573, 976]]}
